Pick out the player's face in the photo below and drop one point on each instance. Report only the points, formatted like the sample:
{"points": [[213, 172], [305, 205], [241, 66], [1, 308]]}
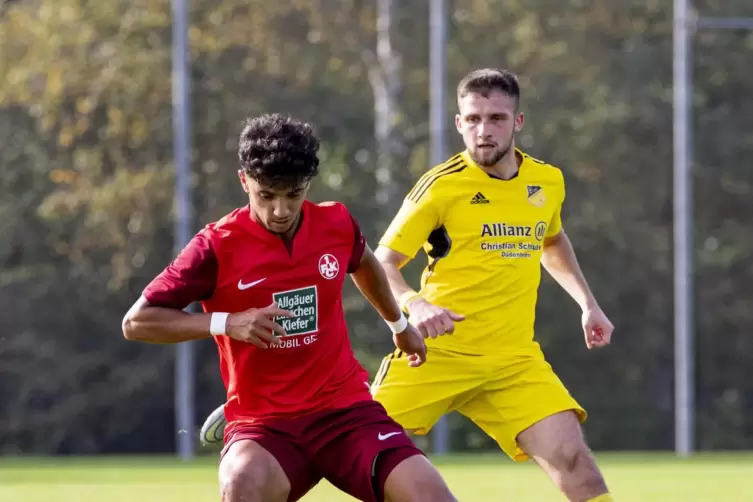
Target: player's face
{"points": [[278, 209], [488, 126]]}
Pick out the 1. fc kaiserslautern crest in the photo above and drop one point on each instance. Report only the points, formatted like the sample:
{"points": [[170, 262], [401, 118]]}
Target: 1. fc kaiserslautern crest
{"points": [[536, 195]]}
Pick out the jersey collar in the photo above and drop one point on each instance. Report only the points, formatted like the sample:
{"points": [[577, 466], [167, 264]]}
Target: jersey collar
{"points": [[470, 162]]}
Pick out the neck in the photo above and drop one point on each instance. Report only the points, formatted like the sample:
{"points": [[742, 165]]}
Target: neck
{"points": [[507, 167]]}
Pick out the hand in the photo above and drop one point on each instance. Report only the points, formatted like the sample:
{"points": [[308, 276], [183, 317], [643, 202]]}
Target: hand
{"points": [[430, 320], [596, 328], [256, 326], [412, 343]]}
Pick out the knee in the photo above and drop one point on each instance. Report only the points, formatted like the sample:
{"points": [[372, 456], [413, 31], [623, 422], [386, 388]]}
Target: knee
{"points": [[249, 480], [577, 461], [240, 482]]}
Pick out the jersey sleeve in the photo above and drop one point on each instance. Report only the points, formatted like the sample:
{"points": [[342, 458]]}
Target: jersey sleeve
{"points": [[416, 219], [555, 224], [191, 277]]}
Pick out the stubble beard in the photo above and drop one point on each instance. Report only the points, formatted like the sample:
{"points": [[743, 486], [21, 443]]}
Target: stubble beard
{"points": [[498, 155]]}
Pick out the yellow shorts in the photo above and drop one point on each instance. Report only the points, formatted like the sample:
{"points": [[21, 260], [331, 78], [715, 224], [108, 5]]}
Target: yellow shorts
{"points": [[503, 395]]}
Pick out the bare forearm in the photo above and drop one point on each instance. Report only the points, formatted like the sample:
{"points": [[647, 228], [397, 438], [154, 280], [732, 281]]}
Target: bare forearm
{"points": [[371, 280], [392, 262], [560, 262], [398, 285], [150, 324]]}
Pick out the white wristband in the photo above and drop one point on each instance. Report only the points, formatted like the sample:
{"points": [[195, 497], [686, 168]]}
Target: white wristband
{"points": [[218, 323], [399, 325]]}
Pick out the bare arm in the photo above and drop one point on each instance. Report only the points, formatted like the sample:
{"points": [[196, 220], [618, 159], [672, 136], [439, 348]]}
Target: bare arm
{"points": [[158, 316], [431, 320], [392, 262], [163, 325], [151, 324], [560, 261], [371, 280]]}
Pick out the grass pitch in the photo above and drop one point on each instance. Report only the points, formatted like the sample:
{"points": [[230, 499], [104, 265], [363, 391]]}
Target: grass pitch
{"points": [[479, 478]]}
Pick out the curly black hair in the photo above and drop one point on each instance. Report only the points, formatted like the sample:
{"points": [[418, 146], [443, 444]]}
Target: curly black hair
{"points": [[278, 151]]}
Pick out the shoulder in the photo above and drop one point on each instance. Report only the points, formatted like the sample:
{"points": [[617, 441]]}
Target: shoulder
{"points": [[328, 207], [331, 216], [438, 177], [331, 211], [544, 170], [226, 226]]}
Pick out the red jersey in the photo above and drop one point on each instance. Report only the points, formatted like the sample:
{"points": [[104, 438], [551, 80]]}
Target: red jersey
{"points": [[236, 264]]}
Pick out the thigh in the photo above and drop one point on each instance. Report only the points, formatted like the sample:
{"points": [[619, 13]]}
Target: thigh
{"points": [[259, 458], [554, 439], [414, 479], [358, 448], [417, 397], [525, 391]]}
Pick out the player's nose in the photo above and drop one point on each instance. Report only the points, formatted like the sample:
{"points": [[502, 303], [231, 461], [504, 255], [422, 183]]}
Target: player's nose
{"points": [[278, 208], [482, 130]]}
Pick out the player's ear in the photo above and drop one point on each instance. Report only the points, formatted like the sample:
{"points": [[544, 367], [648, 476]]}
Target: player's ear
{"points": [[306, 189], [244, 181], [519, 121], [458, 123]]}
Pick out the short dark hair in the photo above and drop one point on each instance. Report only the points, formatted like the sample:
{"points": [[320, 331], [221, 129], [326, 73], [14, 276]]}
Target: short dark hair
{"points": [[487, 80], [278, 151]]}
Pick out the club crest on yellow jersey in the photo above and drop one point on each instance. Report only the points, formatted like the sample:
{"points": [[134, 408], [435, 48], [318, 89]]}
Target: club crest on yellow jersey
{"points": [[536, 195]]}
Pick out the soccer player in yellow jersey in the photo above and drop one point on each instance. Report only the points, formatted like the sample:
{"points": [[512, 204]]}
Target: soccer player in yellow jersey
{"points": [[488, 218]]}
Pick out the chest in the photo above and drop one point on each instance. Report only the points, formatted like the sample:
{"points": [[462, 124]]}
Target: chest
{"points": [[501, 212], [305, 279]]}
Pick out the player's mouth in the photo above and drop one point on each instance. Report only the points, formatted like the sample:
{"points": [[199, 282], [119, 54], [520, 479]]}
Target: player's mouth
{"points": [[485, 146]]}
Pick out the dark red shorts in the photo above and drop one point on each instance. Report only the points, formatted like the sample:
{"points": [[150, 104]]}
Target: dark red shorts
{"points": [[354, 448]]}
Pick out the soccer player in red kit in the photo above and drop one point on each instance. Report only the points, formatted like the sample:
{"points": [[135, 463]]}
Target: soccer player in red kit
{"points": [[269, 276]]}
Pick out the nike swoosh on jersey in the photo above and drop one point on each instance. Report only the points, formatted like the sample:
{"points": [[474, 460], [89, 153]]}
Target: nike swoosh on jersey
{"points": [[382, 437], [242, 286]]}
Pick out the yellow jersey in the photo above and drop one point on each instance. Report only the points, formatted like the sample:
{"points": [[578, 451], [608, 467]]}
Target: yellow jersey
{"points": [[484, 238]]}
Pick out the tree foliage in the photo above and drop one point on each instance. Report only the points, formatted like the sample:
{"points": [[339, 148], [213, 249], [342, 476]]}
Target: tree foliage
{"points": [[86, 189]]}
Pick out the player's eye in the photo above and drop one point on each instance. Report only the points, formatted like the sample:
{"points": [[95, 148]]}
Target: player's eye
{"points": [[266, 196]]}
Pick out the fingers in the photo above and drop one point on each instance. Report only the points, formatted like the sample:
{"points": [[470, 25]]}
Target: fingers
{"points": [[448, 326], [596, 337], [418, 358], [412, 343], [601, 337], [266, 336], [433, 321], [436, 325], [273, 311], [588, 332], [257, 326], [455, 317], [415, 360], [253, 340], [588, 336], [269, 324]]}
